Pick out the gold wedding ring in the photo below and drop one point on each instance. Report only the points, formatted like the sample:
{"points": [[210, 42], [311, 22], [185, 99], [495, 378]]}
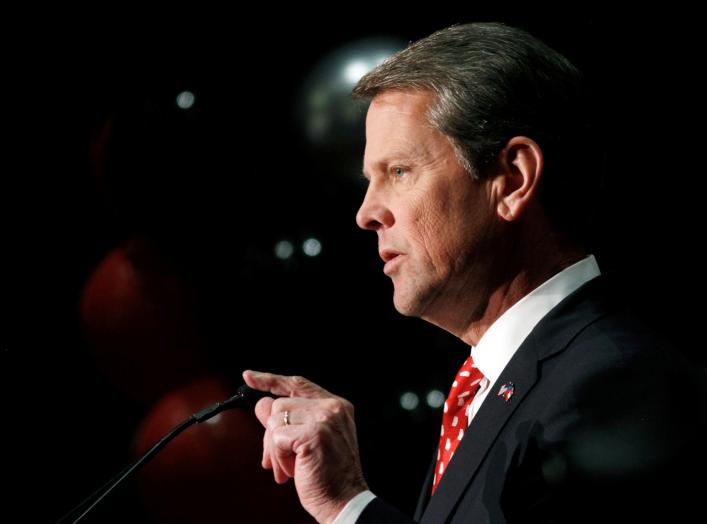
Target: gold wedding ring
{"points": [[286, 418]]}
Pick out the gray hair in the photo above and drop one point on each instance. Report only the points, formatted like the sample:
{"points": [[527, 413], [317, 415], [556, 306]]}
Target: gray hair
{"points": [[493, 82]]}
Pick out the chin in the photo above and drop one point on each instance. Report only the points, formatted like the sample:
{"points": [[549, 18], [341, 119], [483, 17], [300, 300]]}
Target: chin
{"points": [[407, 305], [405, 311]]}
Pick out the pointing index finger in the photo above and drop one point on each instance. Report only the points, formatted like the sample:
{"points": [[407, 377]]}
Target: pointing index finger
{"points": [[284, 386]]}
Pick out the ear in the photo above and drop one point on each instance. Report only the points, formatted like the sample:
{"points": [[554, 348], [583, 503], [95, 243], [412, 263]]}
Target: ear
{"points": [[519, 167]]}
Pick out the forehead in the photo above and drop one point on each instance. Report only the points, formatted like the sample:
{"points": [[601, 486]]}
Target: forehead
{"points": [[397, 124], [403, 107]]}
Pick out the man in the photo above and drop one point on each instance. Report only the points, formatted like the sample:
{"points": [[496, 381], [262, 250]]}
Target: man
{"points": [[479, 163]]}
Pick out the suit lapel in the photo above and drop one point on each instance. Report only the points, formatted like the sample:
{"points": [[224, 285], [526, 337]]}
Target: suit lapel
{"points": [[552, 334], [483, 430], [426, 489]]}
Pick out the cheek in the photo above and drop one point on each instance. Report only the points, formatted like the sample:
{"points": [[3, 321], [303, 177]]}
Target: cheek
{"points": [[449, 232], [430, 235]]}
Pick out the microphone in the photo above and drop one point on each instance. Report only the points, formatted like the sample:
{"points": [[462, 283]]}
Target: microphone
{"points": [[245, 396]]}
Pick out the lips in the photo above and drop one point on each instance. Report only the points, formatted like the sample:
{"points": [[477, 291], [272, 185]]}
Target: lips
{"points": [[391, 259], [388, 254]]}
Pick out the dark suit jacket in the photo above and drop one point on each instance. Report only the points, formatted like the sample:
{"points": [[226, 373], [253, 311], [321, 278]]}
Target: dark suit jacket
{"points": [[605, 425]]}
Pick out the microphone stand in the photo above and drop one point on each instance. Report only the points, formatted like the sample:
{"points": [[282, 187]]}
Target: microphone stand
{"points": [[244, 396]]}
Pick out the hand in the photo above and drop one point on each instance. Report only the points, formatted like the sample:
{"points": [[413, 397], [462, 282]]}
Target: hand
{"points": [[317, 447]]}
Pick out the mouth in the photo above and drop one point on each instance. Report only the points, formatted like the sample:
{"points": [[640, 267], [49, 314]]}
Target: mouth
{"points": [[388, 254], [391, 259]]}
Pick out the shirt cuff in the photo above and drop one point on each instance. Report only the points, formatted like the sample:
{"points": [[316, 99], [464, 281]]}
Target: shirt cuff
{"points": [[354, 508]]}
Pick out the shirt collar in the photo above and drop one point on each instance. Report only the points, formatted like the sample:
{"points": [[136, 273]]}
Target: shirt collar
{"points": [[503, 338]]}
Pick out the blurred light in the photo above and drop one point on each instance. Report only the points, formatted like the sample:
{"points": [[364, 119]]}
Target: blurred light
{"points": [[354, 70], [284, 249], [185, 99], [328, 113], [312, 247], [435, 398], [409, 401]]}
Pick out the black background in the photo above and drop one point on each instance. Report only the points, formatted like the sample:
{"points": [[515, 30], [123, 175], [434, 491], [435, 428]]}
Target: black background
{"points": [[249, 179]]}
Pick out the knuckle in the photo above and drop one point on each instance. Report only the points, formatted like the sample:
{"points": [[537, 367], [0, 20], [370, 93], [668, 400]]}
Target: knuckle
{"points": [[283, 445], [338, 405], [298, 380], [346, 405], [273, 424], [323, 417], [333, 406]]}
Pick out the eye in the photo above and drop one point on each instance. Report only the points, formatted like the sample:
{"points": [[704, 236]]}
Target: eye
{"points": [[399, 171]]}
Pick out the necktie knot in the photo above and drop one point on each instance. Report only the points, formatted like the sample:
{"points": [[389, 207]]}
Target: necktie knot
{"points": [[455, 418]]}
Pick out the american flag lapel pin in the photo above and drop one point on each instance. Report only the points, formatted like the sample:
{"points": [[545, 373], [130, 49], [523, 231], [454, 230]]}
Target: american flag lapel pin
{"points": [[506, 391]]}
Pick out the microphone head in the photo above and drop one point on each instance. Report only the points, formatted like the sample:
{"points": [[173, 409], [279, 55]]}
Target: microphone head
{"points": [[244, 397], [248, 395]]}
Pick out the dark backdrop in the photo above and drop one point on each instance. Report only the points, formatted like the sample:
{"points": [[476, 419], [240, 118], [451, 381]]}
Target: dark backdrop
{"points": [[99, 156]]}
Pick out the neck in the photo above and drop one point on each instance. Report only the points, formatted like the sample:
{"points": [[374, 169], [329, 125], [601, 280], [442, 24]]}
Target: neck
{"points": [[529, 264], [511, 291]]}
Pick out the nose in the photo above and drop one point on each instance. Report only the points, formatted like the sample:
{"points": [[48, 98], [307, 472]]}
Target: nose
{"points": [[374, 214]]}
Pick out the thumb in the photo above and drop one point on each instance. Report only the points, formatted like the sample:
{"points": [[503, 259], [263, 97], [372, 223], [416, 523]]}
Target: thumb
{"points": [[263, 408]]}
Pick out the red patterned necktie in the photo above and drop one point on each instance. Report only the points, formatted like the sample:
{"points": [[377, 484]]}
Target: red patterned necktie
{"points": [[456, 415]]}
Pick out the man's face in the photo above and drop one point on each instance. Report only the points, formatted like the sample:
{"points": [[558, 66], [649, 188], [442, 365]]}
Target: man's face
{"points": [[434, 222]]}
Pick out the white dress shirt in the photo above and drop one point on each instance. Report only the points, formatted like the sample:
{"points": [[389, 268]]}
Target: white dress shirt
{"points": [[500, 342]]}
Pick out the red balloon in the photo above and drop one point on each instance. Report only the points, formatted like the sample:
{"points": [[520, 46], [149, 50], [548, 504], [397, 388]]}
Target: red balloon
{"points": [[210, 473], [137, 318]]}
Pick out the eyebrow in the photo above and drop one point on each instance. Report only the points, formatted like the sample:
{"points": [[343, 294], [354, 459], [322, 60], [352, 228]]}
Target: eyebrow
{"points": [[415, 153]]}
